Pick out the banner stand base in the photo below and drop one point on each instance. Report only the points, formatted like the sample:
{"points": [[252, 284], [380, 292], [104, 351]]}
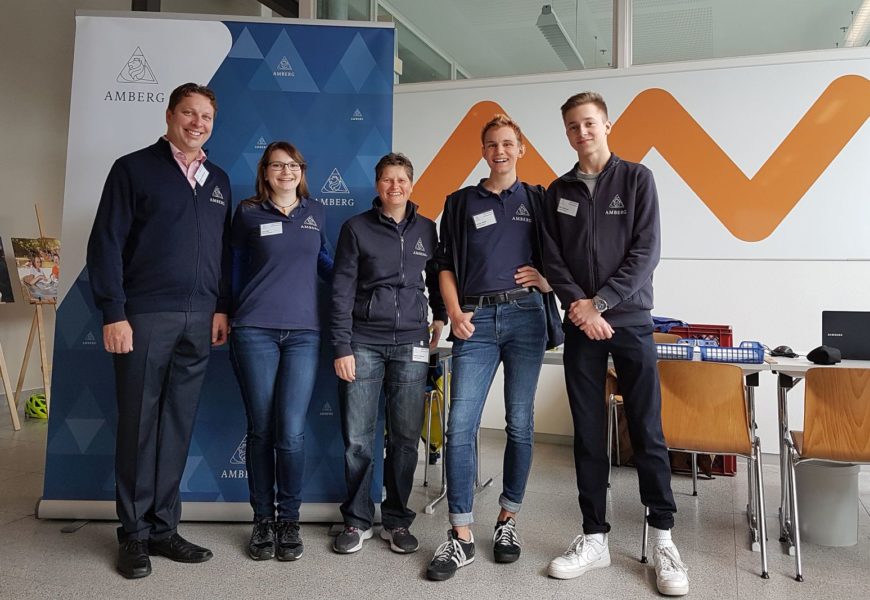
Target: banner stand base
{"points": [[104, 510]]}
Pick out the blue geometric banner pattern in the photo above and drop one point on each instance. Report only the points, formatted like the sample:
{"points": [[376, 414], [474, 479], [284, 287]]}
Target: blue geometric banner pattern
{"points": [[328, 90]]}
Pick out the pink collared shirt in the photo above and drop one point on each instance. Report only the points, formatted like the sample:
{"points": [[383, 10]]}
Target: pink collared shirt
{"points": [[189, 170]]}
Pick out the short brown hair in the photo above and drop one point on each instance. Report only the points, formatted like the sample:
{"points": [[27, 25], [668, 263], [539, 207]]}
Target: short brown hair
{"points": [[264, 190], [394, 159], [501, 120], [187, 89], [585, 98]]}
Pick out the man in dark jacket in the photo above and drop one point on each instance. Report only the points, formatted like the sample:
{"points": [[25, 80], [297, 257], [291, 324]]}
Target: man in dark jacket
{"points": [[489, 259], [158, 260], [381, 339], [601, 248]]}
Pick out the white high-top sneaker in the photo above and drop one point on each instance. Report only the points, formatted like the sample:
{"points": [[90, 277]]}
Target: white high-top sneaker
{"points": [[585, 553], [671, 576]]}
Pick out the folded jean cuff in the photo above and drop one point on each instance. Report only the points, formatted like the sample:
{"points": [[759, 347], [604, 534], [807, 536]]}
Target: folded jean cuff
{"points": [[461, 519], [508, 505]]}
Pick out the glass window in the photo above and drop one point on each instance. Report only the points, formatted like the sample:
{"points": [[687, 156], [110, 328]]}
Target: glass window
{"points": [[676, 30], [420, 62], [344, 10]]}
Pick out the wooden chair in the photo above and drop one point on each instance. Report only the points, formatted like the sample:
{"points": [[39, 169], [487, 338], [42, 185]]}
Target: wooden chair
{"points": [[836, 428], [704, 409], [614, 400]]}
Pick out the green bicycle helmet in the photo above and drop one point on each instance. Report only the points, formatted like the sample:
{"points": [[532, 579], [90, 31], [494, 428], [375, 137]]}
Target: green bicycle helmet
{"points": [[35, 407]]}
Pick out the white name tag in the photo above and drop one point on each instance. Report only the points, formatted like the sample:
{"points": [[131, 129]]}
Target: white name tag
{"points": [[420, 354], [271, 229], [568, 207], [201, 175], [484, 219]]}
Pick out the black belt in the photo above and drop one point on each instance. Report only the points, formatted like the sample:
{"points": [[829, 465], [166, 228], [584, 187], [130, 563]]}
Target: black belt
{"points": [[499, 298]]}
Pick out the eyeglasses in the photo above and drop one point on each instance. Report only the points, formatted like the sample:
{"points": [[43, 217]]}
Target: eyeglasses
{"points": [[277, 165]]}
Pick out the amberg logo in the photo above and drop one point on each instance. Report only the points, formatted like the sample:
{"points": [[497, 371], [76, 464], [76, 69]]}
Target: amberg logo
{"points": [[284, 69], [335, 185], [238, 459], [135, 71], [746, 207]]}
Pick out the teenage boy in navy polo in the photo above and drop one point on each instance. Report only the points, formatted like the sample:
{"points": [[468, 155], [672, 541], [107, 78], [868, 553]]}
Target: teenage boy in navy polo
{"points": [[602, 245], [489, 259], [159, 266], [381, 339]]}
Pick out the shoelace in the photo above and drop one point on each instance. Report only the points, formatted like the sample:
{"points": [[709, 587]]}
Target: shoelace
{"points": [[507, 534], [576, 546], [399, 531], [669, 561], [449, 551], [263, 529]]}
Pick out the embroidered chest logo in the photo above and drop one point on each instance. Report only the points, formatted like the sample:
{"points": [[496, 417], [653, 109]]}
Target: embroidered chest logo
{"points": [[420, 249], [523, 214], [616, 207], [217, 196], [310, 223]]}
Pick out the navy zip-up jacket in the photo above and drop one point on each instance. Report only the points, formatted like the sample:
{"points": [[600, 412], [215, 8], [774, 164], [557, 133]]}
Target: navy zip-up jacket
{"points": [[607, 244], [157, 244], [377, 287]]}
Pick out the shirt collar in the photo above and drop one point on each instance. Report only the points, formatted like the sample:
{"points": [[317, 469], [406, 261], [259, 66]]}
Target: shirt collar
{"points": [[510, 190], [179, 155]]}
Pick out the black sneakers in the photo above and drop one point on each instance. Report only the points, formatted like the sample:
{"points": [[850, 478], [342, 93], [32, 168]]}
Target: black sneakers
{"points": [[288, 540], [401, 540], [451, 555], [262, 544], [505, 541]]}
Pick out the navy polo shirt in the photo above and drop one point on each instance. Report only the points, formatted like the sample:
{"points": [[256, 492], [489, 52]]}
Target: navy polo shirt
{"points": [[500, 232], [277, 259]]}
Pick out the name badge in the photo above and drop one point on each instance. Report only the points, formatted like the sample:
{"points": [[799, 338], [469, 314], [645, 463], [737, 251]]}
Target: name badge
{"points": [[568, 207], [420, 354], [201, 175], [484, 219], [271, 229]]}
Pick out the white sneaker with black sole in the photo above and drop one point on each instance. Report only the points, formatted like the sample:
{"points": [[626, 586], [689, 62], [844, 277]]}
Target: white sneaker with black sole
{"points": [[585, 553], [672, 578]]}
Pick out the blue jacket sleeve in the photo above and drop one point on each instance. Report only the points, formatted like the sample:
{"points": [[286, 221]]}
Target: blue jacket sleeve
{"points": [[225, 287], [105, 255], [344, 282]]}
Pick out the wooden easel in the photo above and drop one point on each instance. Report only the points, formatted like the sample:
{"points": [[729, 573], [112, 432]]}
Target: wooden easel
{"points": [[37, 326], [7, 389]]}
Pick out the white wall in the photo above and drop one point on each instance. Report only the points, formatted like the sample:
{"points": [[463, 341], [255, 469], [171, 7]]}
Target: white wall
{"points": [[771, 290]]}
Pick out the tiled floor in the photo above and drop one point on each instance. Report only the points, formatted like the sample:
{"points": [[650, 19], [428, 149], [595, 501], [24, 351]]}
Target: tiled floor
{"points": [[38, 561]]}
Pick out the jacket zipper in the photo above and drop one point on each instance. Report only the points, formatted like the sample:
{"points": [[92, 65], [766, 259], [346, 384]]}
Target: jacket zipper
{"points": [[591, 242], [401, 282], [198, 243]]}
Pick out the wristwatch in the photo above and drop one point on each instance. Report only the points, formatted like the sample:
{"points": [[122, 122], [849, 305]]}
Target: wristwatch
{"points": [[599, 303]]}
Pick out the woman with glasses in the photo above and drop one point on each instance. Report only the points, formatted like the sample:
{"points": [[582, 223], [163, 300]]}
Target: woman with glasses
{"points": [[279, 249]]}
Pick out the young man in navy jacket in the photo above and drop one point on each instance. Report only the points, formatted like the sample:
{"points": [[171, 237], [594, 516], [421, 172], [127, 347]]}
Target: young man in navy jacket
{"points": [[381, 339], [159, 266], [601, 247]]}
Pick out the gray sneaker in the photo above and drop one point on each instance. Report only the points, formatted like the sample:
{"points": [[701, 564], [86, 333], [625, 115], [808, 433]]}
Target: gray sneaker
{"points": [[401, 540], [351, 539], [288, 540]]}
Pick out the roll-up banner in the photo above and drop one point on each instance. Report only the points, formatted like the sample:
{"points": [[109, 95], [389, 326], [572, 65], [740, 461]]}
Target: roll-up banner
{"points": [[325, 88]]}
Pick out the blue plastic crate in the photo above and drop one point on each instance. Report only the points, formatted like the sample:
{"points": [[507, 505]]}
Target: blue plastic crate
{"points": [[697, 342], [675, 351], [747, 352]]}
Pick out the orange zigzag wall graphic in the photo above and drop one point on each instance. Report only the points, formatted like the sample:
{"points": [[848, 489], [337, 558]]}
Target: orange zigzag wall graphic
{"points": [[751, 209]]}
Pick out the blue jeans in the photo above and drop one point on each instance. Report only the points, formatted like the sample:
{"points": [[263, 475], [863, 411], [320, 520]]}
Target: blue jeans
{"points": [[404, 382], [514, 333], [276, 370]]}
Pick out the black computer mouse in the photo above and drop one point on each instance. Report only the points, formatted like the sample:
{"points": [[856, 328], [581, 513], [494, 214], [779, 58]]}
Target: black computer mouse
{"points": [[783, 351]]}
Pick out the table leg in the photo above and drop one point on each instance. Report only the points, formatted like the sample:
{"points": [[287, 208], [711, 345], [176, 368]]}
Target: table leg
{"points": [[784, 384], [443, 410]]}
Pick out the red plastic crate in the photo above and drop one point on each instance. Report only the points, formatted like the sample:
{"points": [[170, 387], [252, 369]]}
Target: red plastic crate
{"points": [[721, 334]]}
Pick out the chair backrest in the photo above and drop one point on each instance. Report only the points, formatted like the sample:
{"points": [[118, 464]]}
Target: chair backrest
{"points": [[837, 414], [665, 338], [704, 407]]}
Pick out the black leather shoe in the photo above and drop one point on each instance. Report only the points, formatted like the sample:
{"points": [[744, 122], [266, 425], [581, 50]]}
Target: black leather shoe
{"points": [[133, 561], [179, 549]]}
